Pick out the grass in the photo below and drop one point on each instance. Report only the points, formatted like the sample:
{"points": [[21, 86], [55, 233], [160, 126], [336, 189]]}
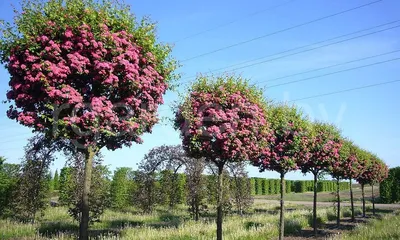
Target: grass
{"points": [[385, 228], [326, 196], [259, 223]]}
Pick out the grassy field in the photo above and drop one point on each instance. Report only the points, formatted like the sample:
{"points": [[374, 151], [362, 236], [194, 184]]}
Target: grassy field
{"points": [[259, 223], [326, 196], [386, 227]]}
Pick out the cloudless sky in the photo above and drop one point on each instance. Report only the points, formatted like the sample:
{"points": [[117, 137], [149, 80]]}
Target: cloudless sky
{"points": [[370, 116]]}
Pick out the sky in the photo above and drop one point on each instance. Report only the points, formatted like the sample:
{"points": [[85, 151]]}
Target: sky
{"points": [[334, 52]]}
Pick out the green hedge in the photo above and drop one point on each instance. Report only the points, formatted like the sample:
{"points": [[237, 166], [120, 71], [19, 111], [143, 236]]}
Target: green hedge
{"points": [[390, 188], [264, 186]]}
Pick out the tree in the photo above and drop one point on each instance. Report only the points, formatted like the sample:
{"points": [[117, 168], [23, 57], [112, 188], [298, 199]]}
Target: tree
{"points": [[380, 173], [85, 71], [196, 187], [33, 188], [99, 196], [289, 128], [347, 168], [222, 119], [120, 187], [66, 185], [322, 147], [169, 158], [240, 188], [9, 174], [365, 176], [56, 181]]}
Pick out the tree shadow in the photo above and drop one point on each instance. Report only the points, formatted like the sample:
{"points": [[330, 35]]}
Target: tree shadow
{"points": [[124, 223], [51, 230]]}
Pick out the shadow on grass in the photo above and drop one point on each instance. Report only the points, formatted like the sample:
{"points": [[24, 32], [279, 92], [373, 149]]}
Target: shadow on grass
{"points": [[51, 229], [252, 225], [124, 223], [55, 229]]}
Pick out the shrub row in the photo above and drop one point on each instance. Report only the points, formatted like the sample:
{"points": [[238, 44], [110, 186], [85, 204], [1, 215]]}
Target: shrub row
{"points": [[390, 188], [262, 186]]}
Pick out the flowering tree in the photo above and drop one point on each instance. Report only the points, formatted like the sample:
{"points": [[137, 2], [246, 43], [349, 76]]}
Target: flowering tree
{"points": [[365, 176], [322, 147], [85, 71], [289, 128], [223, 120], [344, 168], [380, 172]]}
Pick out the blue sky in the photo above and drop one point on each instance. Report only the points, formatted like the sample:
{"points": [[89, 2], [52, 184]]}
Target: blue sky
{"points": [[367, 116]]}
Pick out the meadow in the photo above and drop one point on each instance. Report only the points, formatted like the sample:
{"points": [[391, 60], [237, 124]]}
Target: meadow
{"points": [[260, 222]]}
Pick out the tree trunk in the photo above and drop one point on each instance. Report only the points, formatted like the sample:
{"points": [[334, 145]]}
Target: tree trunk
{"points": [[315, 203], [282, 217], [219, 202], [84, 224], [338, 202], [373, 200], [363, 199], [353, 218]]}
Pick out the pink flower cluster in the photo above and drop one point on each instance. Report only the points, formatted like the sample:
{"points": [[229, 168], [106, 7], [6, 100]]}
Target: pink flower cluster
{"points": [[223, 126], [284, 151], [92, 74], [320, 151]]}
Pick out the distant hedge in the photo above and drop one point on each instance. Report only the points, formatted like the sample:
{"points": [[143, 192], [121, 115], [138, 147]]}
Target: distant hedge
{"points": [[390, 188], [264, 186]]}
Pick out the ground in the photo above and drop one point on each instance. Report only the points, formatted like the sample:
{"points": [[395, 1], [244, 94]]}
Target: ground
{"points": [[261, 222]]}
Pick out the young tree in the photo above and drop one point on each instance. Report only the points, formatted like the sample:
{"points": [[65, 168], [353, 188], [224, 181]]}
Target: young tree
{"points": [[322, 147], [56, 181], [289, 128], [85, 71], [240, 188], [195, 185], [222, 119], [33, 188], [120, 187], [9, 174]]}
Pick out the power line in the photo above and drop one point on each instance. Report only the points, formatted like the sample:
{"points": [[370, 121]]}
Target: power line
{"points": [[346, 90], [331, 66], [235, 20], [282, 30], [332, 73], [311, 49]]}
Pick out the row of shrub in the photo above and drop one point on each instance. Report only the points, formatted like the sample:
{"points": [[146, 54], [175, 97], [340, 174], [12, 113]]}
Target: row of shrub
{"points": [[390, 188], [262, 186]]}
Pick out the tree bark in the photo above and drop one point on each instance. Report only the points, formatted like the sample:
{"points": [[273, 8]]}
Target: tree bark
{"points": [[373, 200], [363, 199], [220, 201], [338, 202], [353, 218], [84, 224], [282, 217], [315, 203]]}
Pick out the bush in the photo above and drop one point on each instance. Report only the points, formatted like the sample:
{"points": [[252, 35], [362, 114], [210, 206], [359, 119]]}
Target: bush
{"points": [[390, 188]]}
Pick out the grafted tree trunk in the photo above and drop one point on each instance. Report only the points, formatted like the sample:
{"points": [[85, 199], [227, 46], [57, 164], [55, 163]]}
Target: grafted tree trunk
{"points": [[220, 201], [373, 200], [363, 199], [338, 202], [87, 179], [353, 217], [315, 203], [282, 216]]}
